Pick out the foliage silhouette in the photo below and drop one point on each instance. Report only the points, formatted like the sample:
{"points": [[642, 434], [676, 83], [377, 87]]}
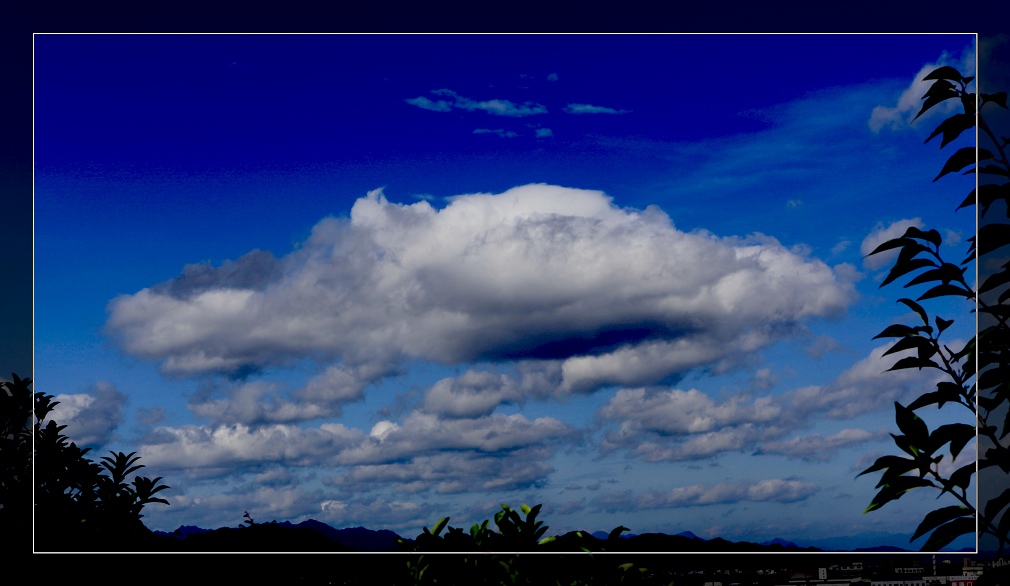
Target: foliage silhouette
{"points": [[985, 393], [78, 505]]}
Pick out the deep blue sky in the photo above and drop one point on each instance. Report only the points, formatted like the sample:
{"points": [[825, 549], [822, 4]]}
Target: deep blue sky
{"points": [[699, 344]]}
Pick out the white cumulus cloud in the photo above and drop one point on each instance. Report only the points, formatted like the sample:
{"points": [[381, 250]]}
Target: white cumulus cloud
{"points": [[597, 294]]}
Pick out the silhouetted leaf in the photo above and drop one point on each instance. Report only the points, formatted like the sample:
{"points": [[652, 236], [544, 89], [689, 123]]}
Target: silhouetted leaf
{"points": [[957, 434], [935, 97], [893, 491], [961, 159], [903, 268], [961, 477], [917, 309], [945, 72], [891, 244], [912, 362], [949, 532], [992, 236], [947, 272], [946, 290], [942, 324], [911, 425], [889, 462], [995, 280], [909, 343], [947, 392], [952, 127], [895, 331], [997, 504], [998, 98], [939, 517]]}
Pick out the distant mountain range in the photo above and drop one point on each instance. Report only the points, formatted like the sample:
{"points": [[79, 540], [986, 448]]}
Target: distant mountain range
{"points": [[312, 535]]}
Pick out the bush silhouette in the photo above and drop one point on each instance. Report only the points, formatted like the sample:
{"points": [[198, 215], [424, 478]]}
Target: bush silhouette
{"points": [[79, 505]]}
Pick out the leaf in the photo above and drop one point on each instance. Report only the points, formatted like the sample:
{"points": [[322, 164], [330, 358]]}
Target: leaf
{"points": [[998, 98], [962, 477], [911, 425], [947, 272], [903, 268], [908, 343], [945, 290], [994, 169], [949, 532], [935, 97], [615, 533], [439, 526], [939, 517], [890, 492], [912, 362], [997, 504], [957, 434], [894, 331], [885, 462], [945, 72], [942, 324], [992, 237], [995, 280], [892, 243], [952, 127], [916, 308], [962, 158]]}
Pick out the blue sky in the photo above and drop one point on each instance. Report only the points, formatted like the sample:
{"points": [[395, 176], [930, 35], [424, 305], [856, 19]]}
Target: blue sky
{"points": [[380, 279]]}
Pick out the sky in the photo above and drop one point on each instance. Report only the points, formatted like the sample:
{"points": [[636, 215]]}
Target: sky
{"points": [[378, 280]]}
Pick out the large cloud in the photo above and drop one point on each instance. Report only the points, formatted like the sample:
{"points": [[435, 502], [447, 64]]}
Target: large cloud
{"points": [[538, 273]]}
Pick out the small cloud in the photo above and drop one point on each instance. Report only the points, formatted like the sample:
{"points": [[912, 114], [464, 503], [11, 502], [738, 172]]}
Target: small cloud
{"points": [[544, 133], [499, 131], [496, 106], [591, 109], [951, 237], [821, 346], [793, 203], [840, 247], [425, 103], [552, 77], [150, 416]]}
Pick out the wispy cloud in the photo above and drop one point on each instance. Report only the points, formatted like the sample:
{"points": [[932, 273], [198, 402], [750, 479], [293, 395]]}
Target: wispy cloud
{"points": [[697, 495], [497, 107], [429, 104], [499, 131], [818, 447], [902, 114], [591, 109]]}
